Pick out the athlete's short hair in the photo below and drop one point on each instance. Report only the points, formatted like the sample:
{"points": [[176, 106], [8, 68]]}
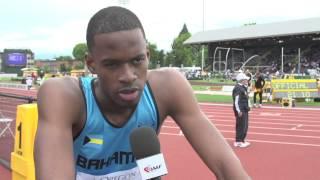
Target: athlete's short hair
{"points": [[111, 19]]}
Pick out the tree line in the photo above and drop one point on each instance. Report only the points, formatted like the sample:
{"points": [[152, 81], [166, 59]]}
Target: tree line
{"points": [[180, 54]]}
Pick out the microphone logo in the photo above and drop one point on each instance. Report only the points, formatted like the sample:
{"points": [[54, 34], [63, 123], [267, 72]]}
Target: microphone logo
{"points": [[146, 148], [152, 168]]}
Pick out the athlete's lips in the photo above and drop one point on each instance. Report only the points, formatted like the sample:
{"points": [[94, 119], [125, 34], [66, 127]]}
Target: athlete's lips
{"points": [[129, 94]]}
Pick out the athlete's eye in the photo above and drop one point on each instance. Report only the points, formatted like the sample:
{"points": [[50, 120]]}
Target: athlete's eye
{"points": [[111, 65], [138, 60]]}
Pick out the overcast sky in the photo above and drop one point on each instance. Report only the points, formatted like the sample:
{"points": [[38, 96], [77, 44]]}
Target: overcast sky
{"points": [[52, 28]]}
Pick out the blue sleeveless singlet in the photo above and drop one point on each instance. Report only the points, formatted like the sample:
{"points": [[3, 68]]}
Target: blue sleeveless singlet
{"points": [[102, 150]]}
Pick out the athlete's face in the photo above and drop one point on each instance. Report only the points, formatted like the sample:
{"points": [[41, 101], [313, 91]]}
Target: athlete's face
{"points": [[120, 59]]}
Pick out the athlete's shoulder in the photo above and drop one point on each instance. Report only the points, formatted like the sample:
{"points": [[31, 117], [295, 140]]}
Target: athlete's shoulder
{"points": [[60, 82], [165, 75], [61, 86], [169, 85]]}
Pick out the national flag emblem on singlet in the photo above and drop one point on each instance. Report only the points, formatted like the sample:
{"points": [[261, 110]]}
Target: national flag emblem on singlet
{"points": [[93, 140]]}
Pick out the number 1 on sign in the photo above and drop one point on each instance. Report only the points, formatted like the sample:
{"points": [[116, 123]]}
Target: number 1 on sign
{"points": [[20, 134]]}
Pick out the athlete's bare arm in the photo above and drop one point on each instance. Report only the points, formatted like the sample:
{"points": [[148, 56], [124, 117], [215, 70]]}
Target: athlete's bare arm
{"points": [[59, 108], [176, 97]]}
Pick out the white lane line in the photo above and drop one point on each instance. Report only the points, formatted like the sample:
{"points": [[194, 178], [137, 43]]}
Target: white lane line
{"points": [[273, 134], [181, 133], [291, 113], [269, 120], [172, 127], [260, 141], [252, 132], [269, 114], [254, 122], [253, 127], [169, 121], [267, 107], [262, 127], [254, 118], [257, 116], [280, 142], [297, 126]]}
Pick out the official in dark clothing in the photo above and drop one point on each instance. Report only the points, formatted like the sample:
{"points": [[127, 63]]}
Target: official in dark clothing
{"points": [[258, 86], [241, 109]]}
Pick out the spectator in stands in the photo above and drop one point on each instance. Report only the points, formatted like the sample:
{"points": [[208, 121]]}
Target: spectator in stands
{"points": [[241, 109], [258, 89]]}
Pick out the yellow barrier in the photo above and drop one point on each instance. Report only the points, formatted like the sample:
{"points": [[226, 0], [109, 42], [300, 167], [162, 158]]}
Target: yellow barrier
{"points": [[22, 162]]}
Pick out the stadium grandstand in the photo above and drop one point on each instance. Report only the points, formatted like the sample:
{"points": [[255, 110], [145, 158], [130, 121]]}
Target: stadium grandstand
{"points": [[281, 47]]}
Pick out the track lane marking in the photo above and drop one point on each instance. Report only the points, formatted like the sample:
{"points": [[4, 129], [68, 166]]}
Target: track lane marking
{"points": [[269, 123], [254, 127], [252, 132], [261, 141], [264, 107], [297, 126]]}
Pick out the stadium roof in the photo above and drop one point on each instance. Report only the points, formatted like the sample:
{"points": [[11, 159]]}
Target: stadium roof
{"points": [[278, 29]]}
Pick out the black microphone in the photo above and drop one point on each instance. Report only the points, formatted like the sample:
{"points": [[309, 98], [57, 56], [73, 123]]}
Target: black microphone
{"points": [[145, 146]]}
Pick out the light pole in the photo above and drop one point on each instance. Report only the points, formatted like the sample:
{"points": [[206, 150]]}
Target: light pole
{"points": [[202, 15], [123, 2], [202, 46]]}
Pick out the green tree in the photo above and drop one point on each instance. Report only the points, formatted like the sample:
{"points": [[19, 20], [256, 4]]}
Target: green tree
{"points": [[63, 68], [184, 30], [169, 59], [63, 58], [181, 53], [79, 51], [46, 69], [156, 56], [79, 65]]}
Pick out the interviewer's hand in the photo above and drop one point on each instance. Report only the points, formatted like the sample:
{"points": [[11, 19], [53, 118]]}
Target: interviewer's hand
{"points": [[240, 114]]}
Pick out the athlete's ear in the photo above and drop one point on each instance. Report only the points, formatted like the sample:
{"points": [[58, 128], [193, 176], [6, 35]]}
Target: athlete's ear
{"points": [[90, 63]]}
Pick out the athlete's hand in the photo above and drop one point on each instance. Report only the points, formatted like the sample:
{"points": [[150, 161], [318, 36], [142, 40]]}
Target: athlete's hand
{"points": [[240, 114]]}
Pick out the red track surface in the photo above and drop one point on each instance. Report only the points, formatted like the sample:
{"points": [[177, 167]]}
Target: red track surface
{"points": [[285, 144], [19, 92]]}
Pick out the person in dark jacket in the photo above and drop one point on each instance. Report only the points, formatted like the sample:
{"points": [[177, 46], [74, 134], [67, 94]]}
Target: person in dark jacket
{"points": [[258, 89], [241, 109]]}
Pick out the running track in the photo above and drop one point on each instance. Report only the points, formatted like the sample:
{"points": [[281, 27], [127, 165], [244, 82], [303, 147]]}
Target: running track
{"points": [[285, 144]]}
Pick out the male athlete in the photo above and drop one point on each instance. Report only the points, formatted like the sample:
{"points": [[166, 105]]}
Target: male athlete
{"points": [[85, 124]]}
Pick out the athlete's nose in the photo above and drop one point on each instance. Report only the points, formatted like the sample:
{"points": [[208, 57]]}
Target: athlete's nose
{"points": [[128, 73]]}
